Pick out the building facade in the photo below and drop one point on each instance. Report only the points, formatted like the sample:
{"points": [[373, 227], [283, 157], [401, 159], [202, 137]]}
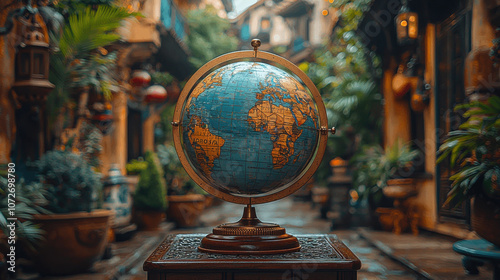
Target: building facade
{"points": [[448, 32], [291, 28]]}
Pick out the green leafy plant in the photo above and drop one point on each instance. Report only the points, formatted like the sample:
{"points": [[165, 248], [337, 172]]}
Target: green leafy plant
{"points": [[208, 36], [165, 124], [178, 181], [70, 182], [95, 72], [90, 144], [81, 59], [474, 152], [150, 194], [347, 75], [135, 166], [374, 166], [162, 78], [29, 200], [69, 7]]}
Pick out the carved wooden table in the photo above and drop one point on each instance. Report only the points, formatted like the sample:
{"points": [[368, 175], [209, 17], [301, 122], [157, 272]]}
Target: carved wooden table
{"points": [[321, 257]]}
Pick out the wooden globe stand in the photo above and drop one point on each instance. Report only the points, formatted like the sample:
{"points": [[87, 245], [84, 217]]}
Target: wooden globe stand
{"points": [[249, 236]]}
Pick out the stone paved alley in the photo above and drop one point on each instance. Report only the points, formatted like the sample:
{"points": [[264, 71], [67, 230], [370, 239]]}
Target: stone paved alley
{"points": [[383, 254]]}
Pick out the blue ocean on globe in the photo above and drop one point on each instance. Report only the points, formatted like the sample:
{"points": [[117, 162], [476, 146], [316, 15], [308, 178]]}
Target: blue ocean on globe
{"points": [[249, 128]]}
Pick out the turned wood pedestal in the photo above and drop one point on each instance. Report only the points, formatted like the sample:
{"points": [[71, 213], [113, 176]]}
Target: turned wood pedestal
{"points": [[321, 257]]}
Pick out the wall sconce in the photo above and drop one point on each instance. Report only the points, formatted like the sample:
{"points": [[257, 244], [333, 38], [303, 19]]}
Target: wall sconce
{"points": [[406, 25]]}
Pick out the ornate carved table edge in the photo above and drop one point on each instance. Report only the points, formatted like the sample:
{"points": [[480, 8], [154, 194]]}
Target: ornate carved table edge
{"points": [[179, 252]]}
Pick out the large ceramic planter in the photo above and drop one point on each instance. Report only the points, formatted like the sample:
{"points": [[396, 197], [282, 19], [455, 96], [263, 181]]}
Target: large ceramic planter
{"points": [[485, 218], [72, 242], [148, 220], [185, 210]]}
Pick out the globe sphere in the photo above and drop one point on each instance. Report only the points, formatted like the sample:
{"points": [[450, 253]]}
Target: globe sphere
{"points": [[249, 128]]}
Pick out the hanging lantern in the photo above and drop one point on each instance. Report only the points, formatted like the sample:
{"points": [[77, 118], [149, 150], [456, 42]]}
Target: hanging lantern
{"points": [[406, 25], [140, 78], [32, 69], [155, 93]]}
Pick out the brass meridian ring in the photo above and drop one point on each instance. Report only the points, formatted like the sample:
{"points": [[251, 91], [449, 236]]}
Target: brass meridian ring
{"points": [[272, 59]]}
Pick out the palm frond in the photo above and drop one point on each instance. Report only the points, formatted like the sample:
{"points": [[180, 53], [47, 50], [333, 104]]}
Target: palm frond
{"points": [[91, 29]]}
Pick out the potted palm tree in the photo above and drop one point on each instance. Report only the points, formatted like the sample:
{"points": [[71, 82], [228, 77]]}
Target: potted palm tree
{"points": [[82, 68], [150, 195], [76, 231], [474, 154]]}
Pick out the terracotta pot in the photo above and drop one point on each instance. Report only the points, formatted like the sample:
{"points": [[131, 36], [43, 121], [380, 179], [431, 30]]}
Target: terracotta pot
{"points": [[209, 201], [401, 188], [485, 218], [389, 217], [149, 220], [185, 210], [73, 242]]}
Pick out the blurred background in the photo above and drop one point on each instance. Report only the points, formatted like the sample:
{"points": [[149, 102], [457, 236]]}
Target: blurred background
{"points": [[88, 90]]}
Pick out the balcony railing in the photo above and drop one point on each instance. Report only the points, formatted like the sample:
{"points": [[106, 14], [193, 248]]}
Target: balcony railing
{"points": [[173, 20]]}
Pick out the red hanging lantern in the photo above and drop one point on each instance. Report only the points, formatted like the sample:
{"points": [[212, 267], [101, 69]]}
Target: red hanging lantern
{"points": [[155, 93], [140, 78]]}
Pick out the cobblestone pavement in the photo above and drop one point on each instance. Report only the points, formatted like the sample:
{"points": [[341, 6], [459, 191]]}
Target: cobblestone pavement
{"points": [[383, 254]]}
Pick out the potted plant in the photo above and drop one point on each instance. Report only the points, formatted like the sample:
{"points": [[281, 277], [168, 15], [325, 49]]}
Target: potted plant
{"points": [[28, 201], [383, 176], [150, 195], [186, 200], [76, 233], [474, 153], [81, 69]]}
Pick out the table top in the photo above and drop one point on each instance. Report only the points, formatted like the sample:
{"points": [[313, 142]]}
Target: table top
{"points": [[479, 248], [323, 251]]}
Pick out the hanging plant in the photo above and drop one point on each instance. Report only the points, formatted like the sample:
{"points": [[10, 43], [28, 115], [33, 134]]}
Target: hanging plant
{"points": [[162, 78]]}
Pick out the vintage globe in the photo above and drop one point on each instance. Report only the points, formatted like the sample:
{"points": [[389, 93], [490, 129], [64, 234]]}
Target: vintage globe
{"points": [[248, 129]]}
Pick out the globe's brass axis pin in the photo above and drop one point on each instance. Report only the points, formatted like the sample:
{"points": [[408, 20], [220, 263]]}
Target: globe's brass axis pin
{"points": [[175, 123], [324, 130], [255, 44]]}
